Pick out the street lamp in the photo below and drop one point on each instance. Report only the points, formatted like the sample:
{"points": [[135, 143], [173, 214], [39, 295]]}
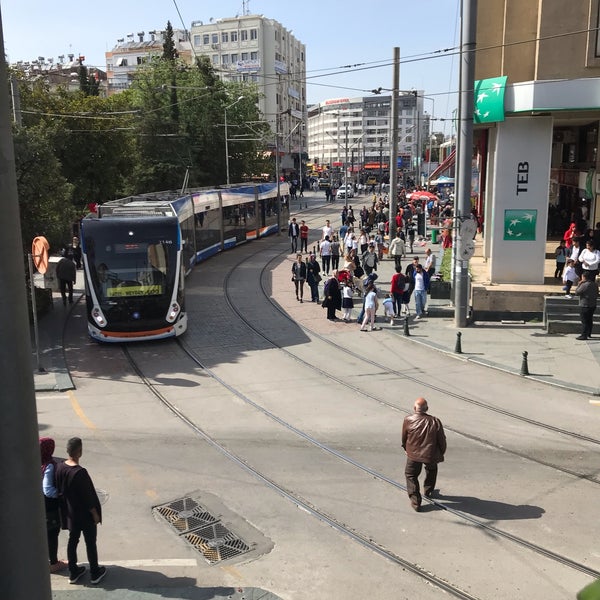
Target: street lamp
{"points": [[226, 136]]}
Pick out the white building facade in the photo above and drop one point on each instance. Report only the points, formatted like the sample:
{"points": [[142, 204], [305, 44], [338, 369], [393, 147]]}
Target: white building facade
{"points": [[357, 133], [255, 49]]}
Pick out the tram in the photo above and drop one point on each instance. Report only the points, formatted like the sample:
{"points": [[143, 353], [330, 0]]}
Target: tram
{"points": [[137, 251]]}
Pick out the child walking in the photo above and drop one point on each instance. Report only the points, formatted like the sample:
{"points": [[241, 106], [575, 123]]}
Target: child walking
{"points": [[569, 277], [347, 302]]}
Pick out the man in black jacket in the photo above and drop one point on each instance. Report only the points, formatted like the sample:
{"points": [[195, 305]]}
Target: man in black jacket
{"points": [[424, 440], [587, 291], [293, 233], [66, 273]]}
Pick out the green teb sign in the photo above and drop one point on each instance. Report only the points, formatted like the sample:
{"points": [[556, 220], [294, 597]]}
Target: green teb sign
{"points": [[519, 225], [489, 100]]}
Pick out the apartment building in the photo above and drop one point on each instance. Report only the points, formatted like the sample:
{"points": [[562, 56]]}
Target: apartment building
{"points": [[357, 133], [130, 53], [537, 160], [259, 50]]}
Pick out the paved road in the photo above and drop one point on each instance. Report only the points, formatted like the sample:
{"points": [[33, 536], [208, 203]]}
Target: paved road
{"points": [[311, 375]]}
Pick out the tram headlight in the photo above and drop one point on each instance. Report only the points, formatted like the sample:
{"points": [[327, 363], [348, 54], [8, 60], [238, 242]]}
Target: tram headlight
{"points": [[98, 317], [173, 313]]}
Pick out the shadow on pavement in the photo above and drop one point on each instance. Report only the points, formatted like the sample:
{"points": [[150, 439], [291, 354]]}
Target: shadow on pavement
{"points": [[490, 509]]}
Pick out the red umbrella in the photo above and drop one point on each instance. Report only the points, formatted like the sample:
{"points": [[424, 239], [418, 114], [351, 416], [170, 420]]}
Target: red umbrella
{"points": [[421, 196]]}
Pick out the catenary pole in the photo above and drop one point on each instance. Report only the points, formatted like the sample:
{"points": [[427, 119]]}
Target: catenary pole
{"points": [[464, 156], [23, 543], [394, 147]]}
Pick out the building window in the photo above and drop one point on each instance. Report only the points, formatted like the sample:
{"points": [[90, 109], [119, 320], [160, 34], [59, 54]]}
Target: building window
{"points": [[234, 58], [254, 34], [244, 35], [225, 59], [253, 55], [254, 78], [206, 39], [215, 59], [215, 38], [224, 37], [245, 56], [197, 39], [234, 36]]}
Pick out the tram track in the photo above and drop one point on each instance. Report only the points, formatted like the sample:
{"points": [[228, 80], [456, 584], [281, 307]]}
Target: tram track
{"points": [[287, 494], [303, 504]]}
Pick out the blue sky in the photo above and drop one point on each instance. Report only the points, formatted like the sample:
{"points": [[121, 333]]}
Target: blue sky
{"points": [[337, 34]]}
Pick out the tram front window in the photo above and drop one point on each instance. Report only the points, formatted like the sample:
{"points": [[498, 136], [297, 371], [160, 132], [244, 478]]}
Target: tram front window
{"points": [[131, 270]]}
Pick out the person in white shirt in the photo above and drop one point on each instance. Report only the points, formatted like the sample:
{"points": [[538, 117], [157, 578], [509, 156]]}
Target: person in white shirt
{"points": [[589, 258], [429, 265], [327, 230], [325, 252], [371, 306], [569, 278]]}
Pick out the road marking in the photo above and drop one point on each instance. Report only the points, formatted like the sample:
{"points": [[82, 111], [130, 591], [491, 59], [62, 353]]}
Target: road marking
{"points": [[79, 411], [595, 402], [153, 562]]}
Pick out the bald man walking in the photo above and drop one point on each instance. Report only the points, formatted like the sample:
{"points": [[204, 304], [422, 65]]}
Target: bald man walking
{"points": [[424, 440]]}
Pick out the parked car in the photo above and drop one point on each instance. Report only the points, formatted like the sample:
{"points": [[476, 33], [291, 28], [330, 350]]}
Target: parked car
{"points": [[324, 183]]}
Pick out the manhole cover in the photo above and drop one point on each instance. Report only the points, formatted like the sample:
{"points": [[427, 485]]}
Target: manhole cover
{"points": [[203, 531], [185, 514], [216, 542]]}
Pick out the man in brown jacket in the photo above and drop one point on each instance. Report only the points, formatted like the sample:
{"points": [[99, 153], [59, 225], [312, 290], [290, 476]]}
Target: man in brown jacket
{"points": [[424, 440]]}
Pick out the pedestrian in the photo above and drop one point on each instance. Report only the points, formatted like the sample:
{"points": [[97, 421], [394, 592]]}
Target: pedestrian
{"points": [[66, 273], [370, 259], [327, 230], [74, 252], [421, 285], [313, 277], [569, 278], [332, 300], [51, 502], [397, 287], [397, 250], [83, 511], [325, 253], [587, 291], [411, 237], [299, 277], [293, 233], [424, 441], [589, 258], [347, 301], [303, 237], [429, 265], [561, 254], [370, 307], [335, 253], [389, 308]]}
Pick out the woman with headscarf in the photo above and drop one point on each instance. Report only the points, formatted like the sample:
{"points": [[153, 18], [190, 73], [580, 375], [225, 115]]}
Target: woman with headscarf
{"points": [[51, 502], [333, 296]]}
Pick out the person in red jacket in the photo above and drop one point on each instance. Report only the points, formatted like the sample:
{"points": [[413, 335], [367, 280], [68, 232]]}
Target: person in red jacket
{"points": [[424, 441]]}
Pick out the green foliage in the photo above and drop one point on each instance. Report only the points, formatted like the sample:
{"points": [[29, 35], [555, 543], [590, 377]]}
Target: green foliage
{"points": [[446, 266], [44, 193]]}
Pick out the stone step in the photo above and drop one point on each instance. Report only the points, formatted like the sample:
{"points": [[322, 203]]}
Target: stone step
{"points": [[569, 326]]}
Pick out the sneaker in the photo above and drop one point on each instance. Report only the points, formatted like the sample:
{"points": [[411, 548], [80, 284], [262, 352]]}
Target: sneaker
{"points": [[417, 317], [392, 321], [61, 565], [99, 575], [74, 578], [568, 296]]}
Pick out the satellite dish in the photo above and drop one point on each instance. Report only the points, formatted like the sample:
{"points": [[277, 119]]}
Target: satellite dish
{"points": [[39, 253]]}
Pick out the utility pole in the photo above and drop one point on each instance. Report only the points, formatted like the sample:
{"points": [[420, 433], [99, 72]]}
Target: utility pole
{"points": [[23, 543], [464, 157], [394, 148], [346, 166]]}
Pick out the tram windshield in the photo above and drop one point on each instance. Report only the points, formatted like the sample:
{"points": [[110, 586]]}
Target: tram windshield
{"points": [[131, 268]]}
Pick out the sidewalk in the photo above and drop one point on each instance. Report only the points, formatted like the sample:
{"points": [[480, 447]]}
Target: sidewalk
{"points": [[557, 359]]}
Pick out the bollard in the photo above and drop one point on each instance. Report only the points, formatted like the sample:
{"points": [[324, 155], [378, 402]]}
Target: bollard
{"points": [[524, 367], [406, 331], [313, 251], [458, 346]]}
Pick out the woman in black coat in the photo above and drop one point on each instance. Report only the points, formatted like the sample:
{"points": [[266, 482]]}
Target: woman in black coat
{"points": [[333, 296]]}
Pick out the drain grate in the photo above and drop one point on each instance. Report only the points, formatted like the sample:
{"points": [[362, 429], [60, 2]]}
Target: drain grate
{"points": [[216, 543], [185, 514], [204, 532]]}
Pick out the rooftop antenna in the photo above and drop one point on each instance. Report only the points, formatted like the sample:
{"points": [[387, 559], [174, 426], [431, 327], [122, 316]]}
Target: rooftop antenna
{"points": [[245, 7]]}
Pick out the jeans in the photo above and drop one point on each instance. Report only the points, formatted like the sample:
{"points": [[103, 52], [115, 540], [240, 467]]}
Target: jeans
{"points": [[397, 302], [304, 245], [420, 301], [294, 241], [587, 320], [325, 259]]}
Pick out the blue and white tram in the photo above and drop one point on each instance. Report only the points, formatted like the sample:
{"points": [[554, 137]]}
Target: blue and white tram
{"points": [[137, 250]]}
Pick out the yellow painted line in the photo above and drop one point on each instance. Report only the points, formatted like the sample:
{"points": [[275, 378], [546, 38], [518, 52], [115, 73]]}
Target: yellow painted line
{"points": [[79, 411], [595, 402], [233, 572]]}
